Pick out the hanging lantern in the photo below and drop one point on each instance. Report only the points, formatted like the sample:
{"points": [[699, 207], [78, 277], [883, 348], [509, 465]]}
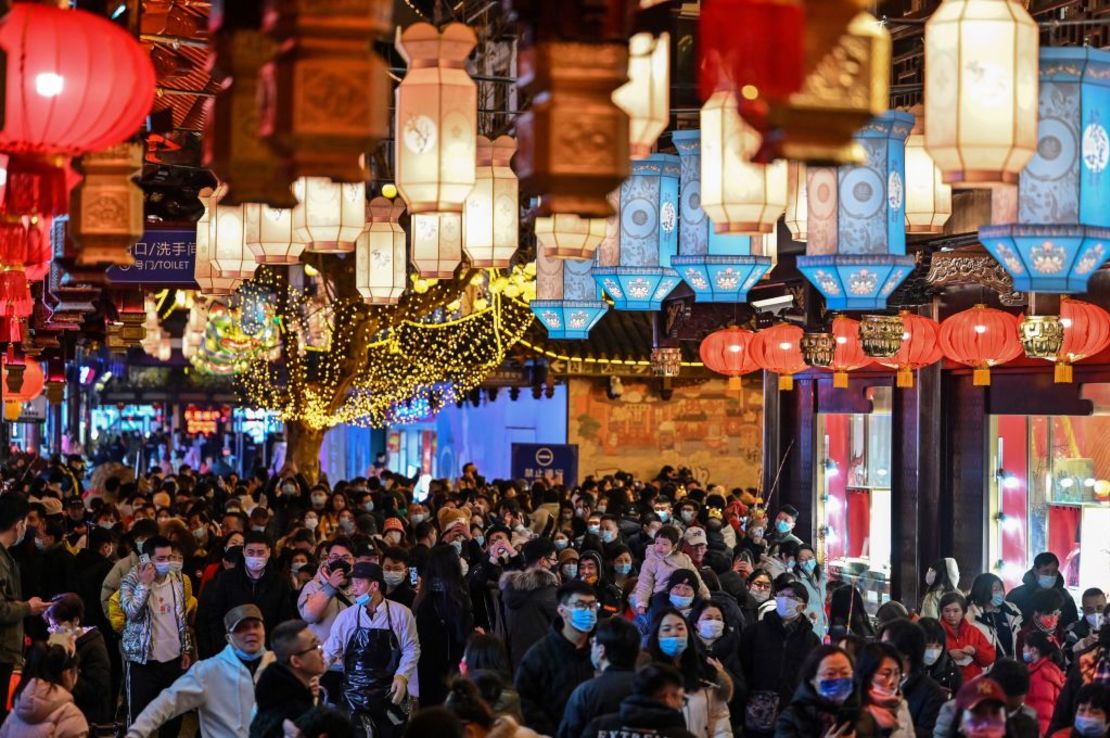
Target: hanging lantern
{"points": [[817, 124], [928, 198], [233, 148], [437, 248], [227, 241], [818, 348], [919, 348], [980, 337], [646, 97], [1063, 232], [778, 349], [567, 302], [739, 196], [15, 292], [106, 212], [209, 282], [728, 352], [330, 215], [881, 335], [981, 90], [848, 354], [635, 269], [1041, 336], [325, 96], [437, 119], [380, 254], [34, 381], [491, 219], [797, 204], [568, 236], [718, 267], [1086, 333], [856, 247], [270, 234]]}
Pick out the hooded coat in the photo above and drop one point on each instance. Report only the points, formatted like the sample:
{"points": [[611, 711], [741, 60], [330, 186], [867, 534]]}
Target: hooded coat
{"points": [[548, 674], [1046, 681], [530, 605], [810, 716], [44, 710], [1022, 596], [656, 573]]}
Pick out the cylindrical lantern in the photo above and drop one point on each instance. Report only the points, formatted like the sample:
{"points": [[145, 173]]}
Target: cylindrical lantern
{"points": [[437, 119], [209, 282], [634, 269], [491, 220], [718, 267], [380, 254], [928, 198], [33, 382], [797, 204], [1086, 333], [330, 215], [568, 236], [981, 90], [646, 97], [778, 349], [270, 234], [856, 242], [848, 353], [1063, 231], [739, 196], [436, 244], [920, 347], [15, 292], [567, 302], [728, 352], [227, 241], [980, 337]]}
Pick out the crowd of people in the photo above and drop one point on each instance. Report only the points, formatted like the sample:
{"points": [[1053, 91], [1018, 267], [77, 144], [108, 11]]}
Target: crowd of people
{"points": [[269, 606]]}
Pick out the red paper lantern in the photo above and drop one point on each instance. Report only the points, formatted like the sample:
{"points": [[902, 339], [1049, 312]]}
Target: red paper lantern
{"points": [[727, 352], [778, 349], [1086, 333], [981, 337], [920, 347], [15, 293], [848, 354], [33, 382], [756, 47]]}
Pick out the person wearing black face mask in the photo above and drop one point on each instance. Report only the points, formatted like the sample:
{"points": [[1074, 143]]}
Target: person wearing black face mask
{"points": [[1090, 667]]}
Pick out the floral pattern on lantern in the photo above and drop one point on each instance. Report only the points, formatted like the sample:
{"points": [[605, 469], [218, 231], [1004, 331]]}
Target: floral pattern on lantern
{"points": [[728, 352], [227, 240], [380, 254], [848, 353], [1063, 230], [980, 337], [920, 347], [329, 215], [270, 234], [928, 198], [646, 97], [567, 302], [437, 244], [1086, 333], [981, 90], [718, 267], [797, 202], [856, 247], [209, 282], [634, 269], [778, 349], [437, 119], [491, 219]]}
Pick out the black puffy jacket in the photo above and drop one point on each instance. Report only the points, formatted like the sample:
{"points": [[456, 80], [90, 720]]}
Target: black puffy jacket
{"points": [[640, 717], [547, 675], [809, 716]]}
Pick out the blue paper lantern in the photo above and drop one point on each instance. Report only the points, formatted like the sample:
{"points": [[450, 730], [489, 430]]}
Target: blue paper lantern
{"points": [[567, 299], [718, 267], [634, 267], [1063, 230], [856, 247]]}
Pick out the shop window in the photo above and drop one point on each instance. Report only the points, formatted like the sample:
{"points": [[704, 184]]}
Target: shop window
{"points": [[853, 496], [1050, 491]]}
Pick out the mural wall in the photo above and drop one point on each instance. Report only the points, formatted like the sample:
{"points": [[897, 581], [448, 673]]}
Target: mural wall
{"points": [[704, 426]]}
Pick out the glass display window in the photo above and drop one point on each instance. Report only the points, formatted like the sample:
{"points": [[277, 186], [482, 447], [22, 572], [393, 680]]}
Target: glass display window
{"points": [[854, 496]]}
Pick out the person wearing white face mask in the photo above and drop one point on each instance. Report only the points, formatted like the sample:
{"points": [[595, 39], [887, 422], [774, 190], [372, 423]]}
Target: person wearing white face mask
{"points": [[1083, 633], [716, 640], [942, 577], [256, 583]]}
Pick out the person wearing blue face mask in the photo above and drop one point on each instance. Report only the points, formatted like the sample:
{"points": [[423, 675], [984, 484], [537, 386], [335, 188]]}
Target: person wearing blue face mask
{"points": [[708, 686], [680, 594], [989, 611], [1045, 574], [220, 688], [782, 530], [827, 703], [560, 661], [812, 576]]}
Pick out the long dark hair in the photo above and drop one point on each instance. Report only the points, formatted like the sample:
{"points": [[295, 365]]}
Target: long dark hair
{"points": [[487, 653], [847, 613], [868, 661], [691, 663], [443, 579], [47, 662]]}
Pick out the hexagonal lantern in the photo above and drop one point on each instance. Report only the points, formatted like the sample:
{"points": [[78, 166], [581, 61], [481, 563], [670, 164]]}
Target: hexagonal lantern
{"points": [[568, 301]]}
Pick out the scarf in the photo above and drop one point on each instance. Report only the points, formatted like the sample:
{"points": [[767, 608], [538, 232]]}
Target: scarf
{"points": [[884, 709]]}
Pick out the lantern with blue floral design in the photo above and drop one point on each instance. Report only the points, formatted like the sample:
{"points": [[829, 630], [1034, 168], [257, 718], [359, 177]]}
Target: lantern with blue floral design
{"points": [[634, 268], [567, 299], [856, 248], [1063, 231], [718, 267]]}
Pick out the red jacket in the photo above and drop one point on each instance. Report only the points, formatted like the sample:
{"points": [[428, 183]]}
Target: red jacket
{"points": [[969, 635], [1045, 682]]}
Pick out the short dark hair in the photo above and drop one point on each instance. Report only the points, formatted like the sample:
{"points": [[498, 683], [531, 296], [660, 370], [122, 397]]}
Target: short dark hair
{"points": [[1092, 592], [343, 541], [155, 542], [285, 640], [1047, 600], [144, 528], [654, 678], [982, 588], [322, 720], [256, 536], [789, 510], [621, 640], [799, 590], [13, 508], [396, 553], [572, 588], [934, 631], [66, 607], [908, 638], [1012, 676], [816, 656], [1094, 694], [949, 598], [670, 533], [869, 660], [1045, 558]]}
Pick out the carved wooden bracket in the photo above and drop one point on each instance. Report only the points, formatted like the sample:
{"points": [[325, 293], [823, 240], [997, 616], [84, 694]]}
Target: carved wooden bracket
{"points": [[973, 267]]}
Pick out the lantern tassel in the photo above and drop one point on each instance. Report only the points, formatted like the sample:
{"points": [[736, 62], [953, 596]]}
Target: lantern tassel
{"points": [[905, 378], [840, 380], [981, 378], [735, 384], [1062, 374], [786, 382]]}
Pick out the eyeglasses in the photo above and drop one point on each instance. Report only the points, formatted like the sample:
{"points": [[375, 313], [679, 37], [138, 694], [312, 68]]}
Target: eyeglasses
{"points": [[583, 606], [318, 647]]}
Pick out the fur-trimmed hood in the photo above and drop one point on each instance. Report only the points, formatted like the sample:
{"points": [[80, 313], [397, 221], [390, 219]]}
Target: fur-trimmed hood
{"points": [[527, 580]]}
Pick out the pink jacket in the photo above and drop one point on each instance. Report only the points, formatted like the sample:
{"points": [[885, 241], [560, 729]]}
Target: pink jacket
{"points": [[44, 710], [656, 572]]}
